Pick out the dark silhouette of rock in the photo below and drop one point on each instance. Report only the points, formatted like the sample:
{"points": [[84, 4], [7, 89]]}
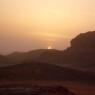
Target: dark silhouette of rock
{"points": [[84, 41], [5, 61], [82, 51], [40, 55]]}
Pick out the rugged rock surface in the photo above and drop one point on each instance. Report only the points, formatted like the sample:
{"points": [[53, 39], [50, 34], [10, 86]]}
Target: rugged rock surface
{"points": [[82, 51]]}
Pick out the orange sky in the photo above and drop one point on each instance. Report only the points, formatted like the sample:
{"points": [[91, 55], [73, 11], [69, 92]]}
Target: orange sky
{"points": [[33, 24]]}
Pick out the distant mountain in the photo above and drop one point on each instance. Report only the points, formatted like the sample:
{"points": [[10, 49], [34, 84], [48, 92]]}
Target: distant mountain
{"points": [[43, 71], [51, 56], [5, 61], [17, 57], [40, 55], [81, 54]]}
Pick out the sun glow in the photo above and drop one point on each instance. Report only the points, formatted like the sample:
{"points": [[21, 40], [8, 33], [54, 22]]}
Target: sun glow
{"points": [[49, 47]]}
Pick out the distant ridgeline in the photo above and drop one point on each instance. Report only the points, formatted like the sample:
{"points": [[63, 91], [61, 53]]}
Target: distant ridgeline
{"points": [[80, 55]]}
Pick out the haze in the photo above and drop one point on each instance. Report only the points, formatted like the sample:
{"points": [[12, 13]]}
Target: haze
{"points": [[36, 24]]}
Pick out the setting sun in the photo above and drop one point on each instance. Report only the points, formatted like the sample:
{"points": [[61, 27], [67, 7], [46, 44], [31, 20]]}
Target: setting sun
{"points": [[49, 47], [33, 24]]}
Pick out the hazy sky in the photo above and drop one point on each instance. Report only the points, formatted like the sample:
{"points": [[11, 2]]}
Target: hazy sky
{"points": [[33, 24]]}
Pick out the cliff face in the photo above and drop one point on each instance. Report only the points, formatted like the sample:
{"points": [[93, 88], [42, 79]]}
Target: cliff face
{"points": [[82, 51], [84, 42]]}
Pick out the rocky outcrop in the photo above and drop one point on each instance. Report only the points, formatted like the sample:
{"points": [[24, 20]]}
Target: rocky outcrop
{"points": [[82, 51], [84, 42]]}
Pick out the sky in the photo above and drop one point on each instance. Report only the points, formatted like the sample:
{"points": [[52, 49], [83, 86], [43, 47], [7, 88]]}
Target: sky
{"points": [[38, 24]]}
